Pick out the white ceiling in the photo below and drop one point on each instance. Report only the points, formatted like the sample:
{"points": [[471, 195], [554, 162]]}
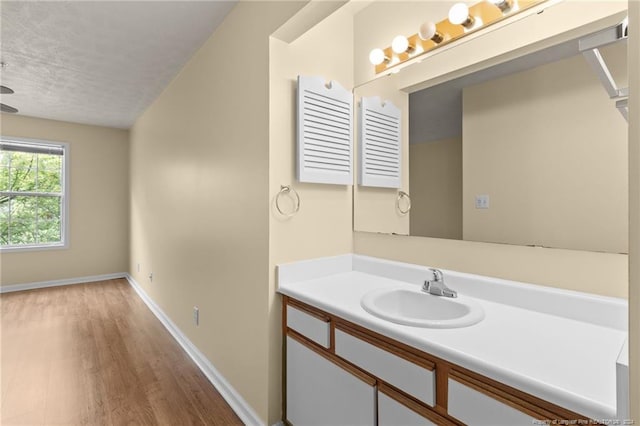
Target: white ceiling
{"points": [[99, 62]]}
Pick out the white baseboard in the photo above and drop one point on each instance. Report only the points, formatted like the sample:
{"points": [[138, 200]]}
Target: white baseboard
{"points": [[66, 281], [233, 398]]}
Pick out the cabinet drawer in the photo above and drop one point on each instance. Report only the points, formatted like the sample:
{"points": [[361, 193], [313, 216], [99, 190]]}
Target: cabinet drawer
{"points": [[477, 408], [411, 378], [393, 413], [309, 326], [320, 392]]}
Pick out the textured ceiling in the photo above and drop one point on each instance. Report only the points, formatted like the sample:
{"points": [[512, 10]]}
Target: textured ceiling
{"points": [[98, 62]]}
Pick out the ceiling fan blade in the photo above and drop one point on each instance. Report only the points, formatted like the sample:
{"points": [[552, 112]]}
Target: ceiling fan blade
{"points": [[7, 108], [4, 90]]}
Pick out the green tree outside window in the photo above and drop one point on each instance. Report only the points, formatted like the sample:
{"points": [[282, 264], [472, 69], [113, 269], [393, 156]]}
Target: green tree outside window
{"points": [[31, 194]]}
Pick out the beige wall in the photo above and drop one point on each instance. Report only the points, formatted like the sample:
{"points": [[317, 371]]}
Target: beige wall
{"points": [[550, 149], [98, 204], [323, 226], [435, 173], [200, 198], [559, 268], [569, 269], [634, 209]]}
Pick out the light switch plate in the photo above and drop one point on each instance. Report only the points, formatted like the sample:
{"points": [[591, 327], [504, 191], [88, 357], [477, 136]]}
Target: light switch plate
{"points": [[482, 201]]}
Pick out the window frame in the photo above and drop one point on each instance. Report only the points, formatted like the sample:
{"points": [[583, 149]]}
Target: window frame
{"points": [[64, 215]]}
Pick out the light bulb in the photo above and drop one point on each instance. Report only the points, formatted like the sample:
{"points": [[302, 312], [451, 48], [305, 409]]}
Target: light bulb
{"points": [[459, 15], [400, 44], [377, 56], [503, 5], [428, 31]]}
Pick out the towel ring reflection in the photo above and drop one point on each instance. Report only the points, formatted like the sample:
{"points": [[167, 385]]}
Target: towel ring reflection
{"points": [[287, 190], [401, 195]]}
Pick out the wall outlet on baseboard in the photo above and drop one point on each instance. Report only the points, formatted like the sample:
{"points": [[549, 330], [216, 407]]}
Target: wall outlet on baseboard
{"points": [[196, 316]]}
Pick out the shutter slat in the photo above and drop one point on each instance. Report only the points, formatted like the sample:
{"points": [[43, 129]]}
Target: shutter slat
{"points": [[382, 143], [321, 111], [314, 148], [325, 157], [329, 142], [330, 126], [346, 106]]}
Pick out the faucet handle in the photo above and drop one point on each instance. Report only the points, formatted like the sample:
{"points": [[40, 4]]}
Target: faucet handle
{"points": [[449, 293], [437, 274]]}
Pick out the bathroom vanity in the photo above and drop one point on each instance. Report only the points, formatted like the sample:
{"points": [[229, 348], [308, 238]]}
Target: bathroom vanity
{"points": [[536, 355]]}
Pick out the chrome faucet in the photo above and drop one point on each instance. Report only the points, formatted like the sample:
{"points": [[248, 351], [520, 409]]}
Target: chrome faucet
{"points": [[437, 286]]}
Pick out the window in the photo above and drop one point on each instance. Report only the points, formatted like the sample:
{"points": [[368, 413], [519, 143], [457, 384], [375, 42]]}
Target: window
{"points": [[33, 200]]}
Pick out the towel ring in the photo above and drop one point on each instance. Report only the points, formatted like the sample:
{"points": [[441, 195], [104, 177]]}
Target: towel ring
{"points": [[401, 195], [288, 190]]}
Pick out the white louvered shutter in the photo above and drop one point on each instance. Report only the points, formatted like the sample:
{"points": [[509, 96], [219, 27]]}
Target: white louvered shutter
{"points": [[380, 144], [325, 129]]}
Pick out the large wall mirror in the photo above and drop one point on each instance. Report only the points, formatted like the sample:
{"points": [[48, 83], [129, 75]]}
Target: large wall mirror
{"points": [[531, 151]]}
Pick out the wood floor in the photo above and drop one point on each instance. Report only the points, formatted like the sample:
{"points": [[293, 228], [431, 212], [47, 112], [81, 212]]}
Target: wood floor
{"points": [[93, 354]]}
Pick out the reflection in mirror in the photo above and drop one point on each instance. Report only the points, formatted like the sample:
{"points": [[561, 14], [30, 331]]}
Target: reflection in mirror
{"points": [[528, 152], [377, 208]]}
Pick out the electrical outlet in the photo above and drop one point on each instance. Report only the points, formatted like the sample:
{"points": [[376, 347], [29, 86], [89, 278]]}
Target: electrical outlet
{"points": [[138, 267], [482, 201], [196, 316], [151, 276]]}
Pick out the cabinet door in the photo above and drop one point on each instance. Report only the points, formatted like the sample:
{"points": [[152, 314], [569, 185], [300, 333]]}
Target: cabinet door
{"points": [[393, 413], [476, 408], [320, 392]]}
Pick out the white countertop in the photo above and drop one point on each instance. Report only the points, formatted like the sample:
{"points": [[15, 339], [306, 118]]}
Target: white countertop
{"points": [[566, 361]]}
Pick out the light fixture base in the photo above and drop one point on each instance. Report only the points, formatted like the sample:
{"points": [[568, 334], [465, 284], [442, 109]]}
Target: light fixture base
{"points": [[480, 15]]}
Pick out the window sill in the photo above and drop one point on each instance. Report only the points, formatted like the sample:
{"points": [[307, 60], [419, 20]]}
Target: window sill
{"points": [[18, 249]]}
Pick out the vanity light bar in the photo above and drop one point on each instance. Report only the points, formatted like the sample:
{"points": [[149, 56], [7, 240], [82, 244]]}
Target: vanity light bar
{"points": [[480, 15]]}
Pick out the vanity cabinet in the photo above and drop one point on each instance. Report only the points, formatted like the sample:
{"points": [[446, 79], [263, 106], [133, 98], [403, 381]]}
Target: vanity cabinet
{"points": [[340, 373], [321, 392]]}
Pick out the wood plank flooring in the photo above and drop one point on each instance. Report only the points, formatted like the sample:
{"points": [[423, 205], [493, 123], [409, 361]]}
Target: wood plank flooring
{"points": [[93, 354]]}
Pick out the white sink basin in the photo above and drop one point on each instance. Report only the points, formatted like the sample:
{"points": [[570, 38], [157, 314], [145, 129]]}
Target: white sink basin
{"points": [[420, 309]]}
